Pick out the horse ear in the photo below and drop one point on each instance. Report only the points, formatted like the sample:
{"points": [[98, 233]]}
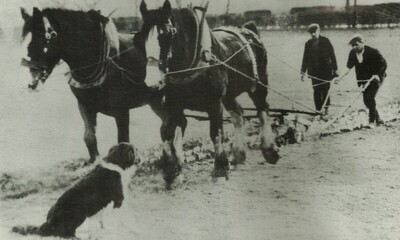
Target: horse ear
{"points": [[36, 12], [143, 8], [167, 6], [96, 14], [25, 15]]}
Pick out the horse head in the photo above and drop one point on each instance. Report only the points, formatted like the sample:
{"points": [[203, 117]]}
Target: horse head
{"points": [[178, 33], [82, 39], [43, 49]]}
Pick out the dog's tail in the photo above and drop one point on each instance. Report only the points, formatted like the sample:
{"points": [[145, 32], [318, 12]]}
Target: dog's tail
{"points": [[26, 230], [252, 27]]}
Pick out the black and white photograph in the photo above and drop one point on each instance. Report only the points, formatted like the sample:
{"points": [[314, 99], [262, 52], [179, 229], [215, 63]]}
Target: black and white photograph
{"points": [[200, 119]]}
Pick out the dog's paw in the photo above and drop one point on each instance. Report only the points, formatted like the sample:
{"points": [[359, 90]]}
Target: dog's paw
{"points": [[117, 204]]}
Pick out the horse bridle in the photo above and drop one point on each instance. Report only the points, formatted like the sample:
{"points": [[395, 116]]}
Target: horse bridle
{"points": [[44, 68], [168, 32]]}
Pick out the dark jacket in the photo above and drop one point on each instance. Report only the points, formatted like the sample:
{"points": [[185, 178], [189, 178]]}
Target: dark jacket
{"points": [[373, 64], [319, 61]]}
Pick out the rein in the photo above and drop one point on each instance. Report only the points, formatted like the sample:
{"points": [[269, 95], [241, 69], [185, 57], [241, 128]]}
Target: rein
{"points": [[198, 61], [217, 62]]}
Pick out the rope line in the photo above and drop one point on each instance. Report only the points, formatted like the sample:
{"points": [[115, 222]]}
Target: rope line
{"points": [[290, 66], [209, 66], [266, 86], [224, 63], [219, 63], [90, 65], [347, 108], [99, 62]]}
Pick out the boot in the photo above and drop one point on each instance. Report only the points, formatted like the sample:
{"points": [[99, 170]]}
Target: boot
{"points": [[371, 116], [326, 111], [378, 119]]}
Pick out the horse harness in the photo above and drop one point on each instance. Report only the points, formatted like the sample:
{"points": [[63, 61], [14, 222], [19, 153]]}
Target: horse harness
{"points": [[204, 59], [103, 65], [97, 77]]}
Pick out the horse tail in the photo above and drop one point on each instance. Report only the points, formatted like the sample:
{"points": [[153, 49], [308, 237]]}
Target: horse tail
{"points": [[26, 230], [252, 27]]}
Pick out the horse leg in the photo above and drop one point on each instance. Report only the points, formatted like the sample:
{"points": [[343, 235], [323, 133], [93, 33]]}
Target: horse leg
{"points": [[122, 121], [156, 103], [221, 163], [89, 119], [236, 112], [172, 131], [268, 146]]}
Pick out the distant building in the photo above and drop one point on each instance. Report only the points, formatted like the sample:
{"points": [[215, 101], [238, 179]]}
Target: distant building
{"points": [[315, 9], [325, 16], [260, 17], [376, 14], [128, 24]]}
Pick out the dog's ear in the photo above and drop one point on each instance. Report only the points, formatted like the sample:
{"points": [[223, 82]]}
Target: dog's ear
{"points": [[123, 155]]}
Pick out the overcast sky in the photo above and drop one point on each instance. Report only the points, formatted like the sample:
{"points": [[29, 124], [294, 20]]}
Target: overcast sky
{"points": [[219, 6], [10, 13]]}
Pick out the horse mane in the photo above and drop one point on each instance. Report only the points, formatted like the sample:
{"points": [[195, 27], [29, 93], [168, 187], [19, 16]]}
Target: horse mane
{"points": [[186, 22], [112, 35], [75, 21]]}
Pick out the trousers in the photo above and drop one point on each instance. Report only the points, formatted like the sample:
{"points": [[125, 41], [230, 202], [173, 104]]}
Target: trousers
{"points": [[369, 101], [320, 93]]}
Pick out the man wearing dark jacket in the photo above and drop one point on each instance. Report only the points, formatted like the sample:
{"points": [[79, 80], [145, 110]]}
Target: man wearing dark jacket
{"points": [[319, 62], [369, 65]]}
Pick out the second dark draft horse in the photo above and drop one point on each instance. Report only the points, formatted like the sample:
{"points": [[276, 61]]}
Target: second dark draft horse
{"points": [[189, 57], [107, 69]]}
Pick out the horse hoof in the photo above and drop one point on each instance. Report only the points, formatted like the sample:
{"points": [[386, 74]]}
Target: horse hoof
{"points": [[271, 155], [175, 183], [89, 162], [220, 173], [239, 157], [171, 175], [92, 160], [221, 166]]}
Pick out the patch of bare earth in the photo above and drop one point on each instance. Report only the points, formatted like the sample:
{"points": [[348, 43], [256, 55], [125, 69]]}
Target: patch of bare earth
{"points": [[343, 186]]}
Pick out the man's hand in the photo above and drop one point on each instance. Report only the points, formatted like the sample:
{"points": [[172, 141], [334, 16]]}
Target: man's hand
{"points": [[336, 73], [302, 77], [376, 78], [336, 80]]}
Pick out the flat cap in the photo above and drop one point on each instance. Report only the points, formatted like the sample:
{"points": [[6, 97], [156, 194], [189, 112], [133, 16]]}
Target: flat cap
{"points": [[356, 38], [313, 27]]}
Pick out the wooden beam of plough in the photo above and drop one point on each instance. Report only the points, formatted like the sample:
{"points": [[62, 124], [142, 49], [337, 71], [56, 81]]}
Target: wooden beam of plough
{"points": [[285, 111], [282, 112]]}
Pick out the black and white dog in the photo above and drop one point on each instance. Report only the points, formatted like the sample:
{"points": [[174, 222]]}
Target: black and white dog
{"points": [[90, 195]]}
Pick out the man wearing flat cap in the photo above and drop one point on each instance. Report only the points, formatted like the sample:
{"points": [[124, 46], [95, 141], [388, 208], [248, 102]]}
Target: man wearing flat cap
{"points": [[369, 65], [319, 62]]}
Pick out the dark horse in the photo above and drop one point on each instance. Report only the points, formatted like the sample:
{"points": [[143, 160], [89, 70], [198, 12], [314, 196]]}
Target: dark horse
{"points": [[195, 79], [107, 69]]}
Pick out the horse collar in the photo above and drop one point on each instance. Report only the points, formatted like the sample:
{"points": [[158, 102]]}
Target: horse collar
{"points": [[97, 77]]}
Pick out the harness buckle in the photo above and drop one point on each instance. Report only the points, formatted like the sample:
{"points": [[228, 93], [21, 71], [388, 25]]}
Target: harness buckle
{"points": [[50, 35], [206, 56]]}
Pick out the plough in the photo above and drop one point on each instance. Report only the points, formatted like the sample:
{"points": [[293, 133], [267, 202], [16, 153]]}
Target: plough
{"points": [[279, 113]]}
